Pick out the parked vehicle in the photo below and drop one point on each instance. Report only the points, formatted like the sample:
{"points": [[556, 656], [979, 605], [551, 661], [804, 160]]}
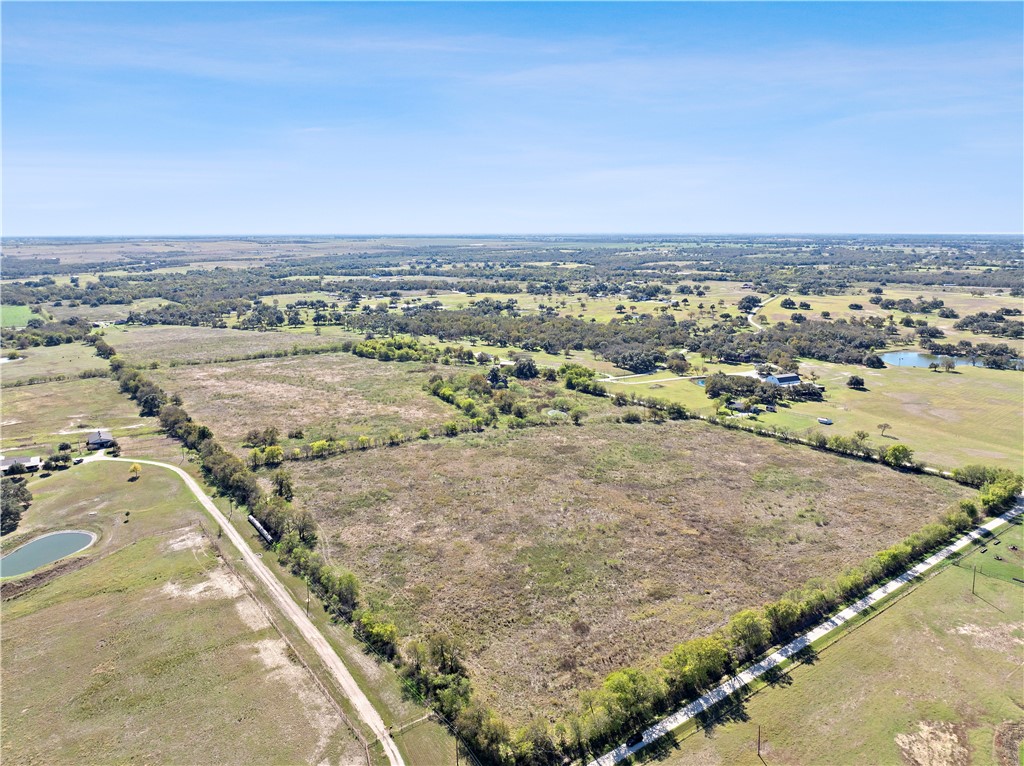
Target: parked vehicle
{"points": [[825, 421]]}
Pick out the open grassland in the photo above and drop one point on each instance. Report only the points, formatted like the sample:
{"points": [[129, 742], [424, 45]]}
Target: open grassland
{"points": [[152, 651], [560, 554], [972, 415], [950, 419], [39, 417], [183, 345], [48, 361], [326, 395], [935, 678], [14, 316], [107, 312]]}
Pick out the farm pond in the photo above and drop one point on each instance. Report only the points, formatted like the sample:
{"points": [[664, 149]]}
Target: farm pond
{"points": [[44, 550]]}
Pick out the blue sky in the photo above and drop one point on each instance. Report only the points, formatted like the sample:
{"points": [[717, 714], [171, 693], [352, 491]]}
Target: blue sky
{"points": [[239, 118]]}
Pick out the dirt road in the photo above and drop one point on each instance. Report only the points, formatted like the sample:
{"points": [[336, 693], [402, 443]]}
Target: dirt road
{"points": [[292, 612]]}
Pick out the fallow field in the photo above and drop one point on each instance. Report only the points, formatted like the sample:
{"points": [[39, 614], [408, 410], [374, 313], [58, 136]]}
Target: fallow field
{"points": [[560, 554], [326, 395], [166, 345]]}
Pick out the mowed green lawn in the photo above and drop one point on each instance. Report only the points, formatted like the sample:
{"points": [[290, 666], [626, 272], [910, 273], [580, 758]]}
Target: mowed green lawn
{"points": [[152, 652], [14, 316], [939, 670], [972, 415]]}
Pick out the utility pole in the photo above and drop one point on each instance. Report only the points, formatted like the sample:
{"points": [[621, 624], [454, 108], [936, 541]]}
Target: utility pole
{"points": [[759, 740], [974, 579], [307, 595]]}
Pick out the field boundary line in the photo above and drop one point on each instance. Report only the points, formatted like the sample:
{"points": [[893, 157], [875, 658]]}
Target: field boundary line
{"points": [[794, 647]]}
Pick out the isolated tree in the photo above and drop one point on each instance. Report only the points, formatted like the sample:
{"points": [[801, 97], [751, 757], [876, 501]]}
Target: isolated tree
{"points": [[282, 481], [855, 381], [748, 303], [135, 471], [883, 427], [948, 364]]}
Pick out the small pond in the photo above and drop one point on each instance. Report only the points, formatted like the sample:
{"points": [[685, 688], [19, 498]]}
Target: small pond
{"points": [[700, 381], [44, 550], [917, 359]]}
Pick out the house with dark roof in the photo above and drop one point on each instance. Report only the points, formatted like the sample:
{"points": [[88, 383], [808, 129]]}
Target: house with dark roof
{"points": [[29, 464], [100, 440]]}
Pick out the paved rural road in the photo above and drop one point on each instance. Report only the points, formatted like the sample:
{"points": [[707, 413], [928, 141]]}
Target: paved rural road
{"points": [[734, 684], [293, 612]]}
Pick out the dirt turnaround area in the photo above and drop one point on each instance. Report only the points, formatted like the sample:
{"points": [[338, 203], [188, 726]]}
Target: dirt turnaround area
{"points": [[557, 555]]}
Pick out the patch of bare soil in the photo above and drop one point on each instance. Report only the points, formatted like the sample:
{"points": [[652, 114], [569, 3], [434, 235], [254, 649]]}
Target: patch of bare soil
{"points": [[936, 743], [999, 638], [1007, 742], [220, 583]]}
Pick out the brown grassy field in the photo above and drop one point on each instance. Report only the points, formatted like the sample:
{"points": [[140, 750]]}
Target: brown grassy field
{"points": [[181, 345], [325, 394], [560, 554]]}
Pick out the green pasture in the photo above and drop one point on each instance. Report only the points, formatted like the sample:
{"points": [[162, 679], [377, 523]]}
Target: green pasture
{"points": [[15, 316], [49, 361]]}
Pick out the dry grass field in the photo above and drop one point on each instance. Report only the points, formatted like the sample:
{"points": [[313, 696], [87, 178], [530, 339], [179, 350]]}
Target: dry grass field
{"points": [[560, 554], [37, 418], [325, 395], [183, 345]]}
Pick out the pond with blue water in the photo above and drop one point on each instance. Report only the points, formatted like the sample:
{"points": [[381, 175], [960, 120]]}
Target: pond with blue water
{"points": [[44, 550], [918, 359]]}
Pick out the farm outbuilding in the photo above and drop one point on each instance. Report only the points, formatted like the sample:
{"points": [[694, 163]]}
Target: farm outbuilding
{"points": [[784, 379]]}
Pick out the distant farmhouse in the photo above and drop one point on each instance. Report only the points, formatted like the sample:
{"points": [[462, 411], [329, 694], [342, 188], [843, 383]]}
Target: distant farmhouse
{"points": [[28, 464], [100, 440]]}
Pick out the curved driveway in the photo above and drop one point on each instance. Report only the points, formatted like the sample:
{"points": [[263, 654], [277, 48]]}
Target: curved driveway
{"points": [[292, 612]]}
